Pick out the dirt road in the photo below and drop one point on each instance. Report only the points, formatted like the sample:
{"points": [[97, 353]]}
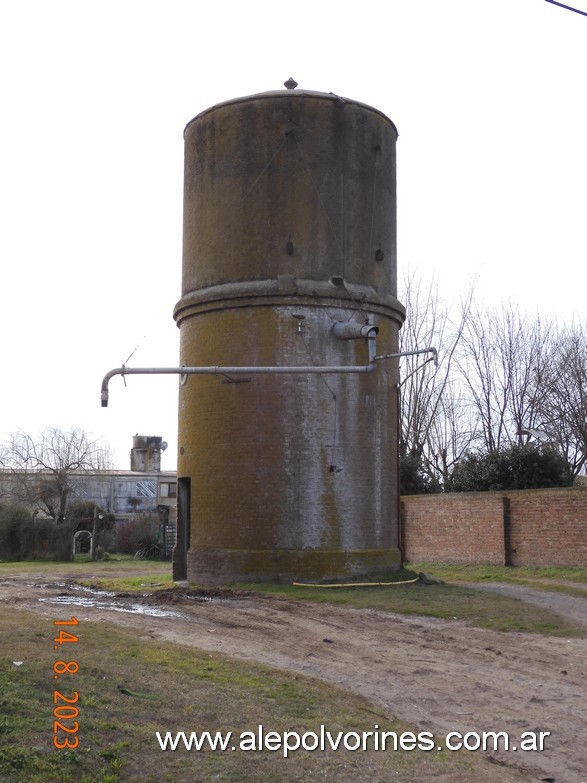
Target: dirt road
{"points": [[442, 676]]}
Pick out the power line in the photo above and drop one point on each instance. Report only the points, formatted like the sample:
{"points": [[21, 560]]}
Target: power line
{"points": [[568, 7]]}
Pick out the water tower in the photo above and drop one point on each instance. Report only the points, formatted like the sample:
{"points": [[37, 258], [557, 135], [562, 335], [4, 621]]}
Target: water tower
{"points": [[289, 260]]}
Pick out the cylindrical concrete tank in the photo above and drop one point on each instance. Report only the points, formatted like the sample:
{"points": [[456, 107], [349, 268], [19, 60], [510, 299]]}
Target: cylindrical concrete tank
{"points": [[289, 227]]}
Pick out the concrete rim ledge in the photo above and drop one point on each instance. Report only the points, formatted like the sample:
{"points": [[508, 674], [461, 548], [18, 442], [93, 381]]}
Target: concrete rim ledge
{"points": [[283, 292]]}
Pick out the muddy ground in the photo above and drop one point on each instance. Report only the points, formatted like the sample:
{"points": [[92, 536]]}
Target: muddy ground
{"points": [[441, 676]]}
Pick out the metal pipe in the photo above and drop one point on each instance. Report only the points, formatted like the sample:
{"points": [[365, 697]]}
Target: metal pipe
{"points": [[415, 370], [433, 351], [349, 330], [219, 370]]}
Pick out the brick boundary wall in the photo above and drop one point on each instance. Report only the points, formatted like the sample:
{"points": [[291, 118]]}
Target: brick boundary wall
{"points": [[535, 527]]}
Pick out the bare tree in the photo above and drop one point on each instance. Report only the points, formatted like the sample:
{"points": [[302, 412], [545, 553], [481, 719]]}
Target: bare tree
{"points": [[503, 355], [42, 468], [504, 378], [436, 425], [562, 413], [453, 430]]}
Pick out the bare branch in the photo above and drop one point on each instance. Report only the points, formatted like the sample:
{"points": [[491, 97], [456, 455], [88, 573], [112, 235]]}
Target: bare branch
{"points": [[42, 467], [431, 427]]}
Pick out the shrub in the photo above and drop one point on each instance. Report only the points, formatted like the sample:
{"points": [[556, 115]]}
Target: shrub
{"points": [[517, 467], [17, 532], [139, 533], [413, 477]]}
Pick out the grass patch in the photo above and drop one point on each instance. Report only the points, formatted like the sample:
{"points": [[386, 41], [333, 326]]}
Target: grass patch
{"points": [[123, 566], [129, 584], [556, 579], [463, 572], [447, 602], [130, 687]]}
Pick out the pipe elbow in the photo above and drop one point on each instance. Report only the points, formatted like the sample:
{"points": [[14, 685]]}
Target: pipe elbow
{"points": [[347, 330], [105, 382]]}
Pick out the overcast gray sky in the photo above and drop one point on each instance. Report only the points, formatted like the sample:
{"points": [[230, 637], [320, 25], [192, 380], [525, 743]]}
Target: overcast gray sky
{"points": [[489, 100]]}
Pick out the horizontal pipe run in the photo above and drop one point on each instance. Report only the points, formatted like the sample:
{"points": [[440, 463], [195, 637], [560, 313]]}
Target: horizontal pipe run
{"points": [[220, 370], [433, 351]]}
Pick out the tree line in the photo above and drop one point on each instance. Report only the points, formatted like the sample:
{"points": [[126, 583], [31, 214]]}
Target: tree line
{"points": [[507, 406]]}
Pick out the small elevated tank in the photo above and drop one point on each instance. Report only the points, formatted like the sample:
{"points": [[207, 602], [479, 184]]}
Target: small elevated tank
{"points": [[289, 228]]}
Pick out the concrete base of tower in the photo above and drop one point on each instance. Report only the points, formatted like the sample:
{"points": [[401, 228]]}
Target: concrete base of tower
{"points": [[213, 567]]}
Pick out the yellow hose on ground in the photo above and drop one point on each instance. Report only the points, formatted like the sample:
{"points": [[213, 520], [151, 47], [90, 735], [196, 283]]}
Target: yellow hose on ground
{"points": [[359, 584]]}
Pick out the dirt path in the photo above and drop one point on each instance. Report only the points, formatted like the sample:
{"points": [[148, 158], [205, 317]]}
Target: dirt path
{"points": [[573, 607], [440, 675]]}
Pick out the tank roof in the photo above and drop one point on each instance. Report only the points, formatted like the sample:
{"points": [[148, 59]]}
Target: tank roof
{"points": [[295, 94]]}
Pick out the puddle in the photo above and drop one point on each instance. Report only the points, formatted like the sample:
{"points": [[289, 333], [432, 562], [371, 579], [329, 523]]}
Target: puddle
{"points": [[94, 598], [201, 599], [45, 585], [89, 597], [70, 586], [113, 606]]}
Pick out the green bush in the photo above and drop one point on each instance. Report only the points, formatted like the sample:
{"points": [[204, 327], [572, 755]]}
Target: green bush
{"points": [[516, 467], [413, 477], [17, 532]]}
